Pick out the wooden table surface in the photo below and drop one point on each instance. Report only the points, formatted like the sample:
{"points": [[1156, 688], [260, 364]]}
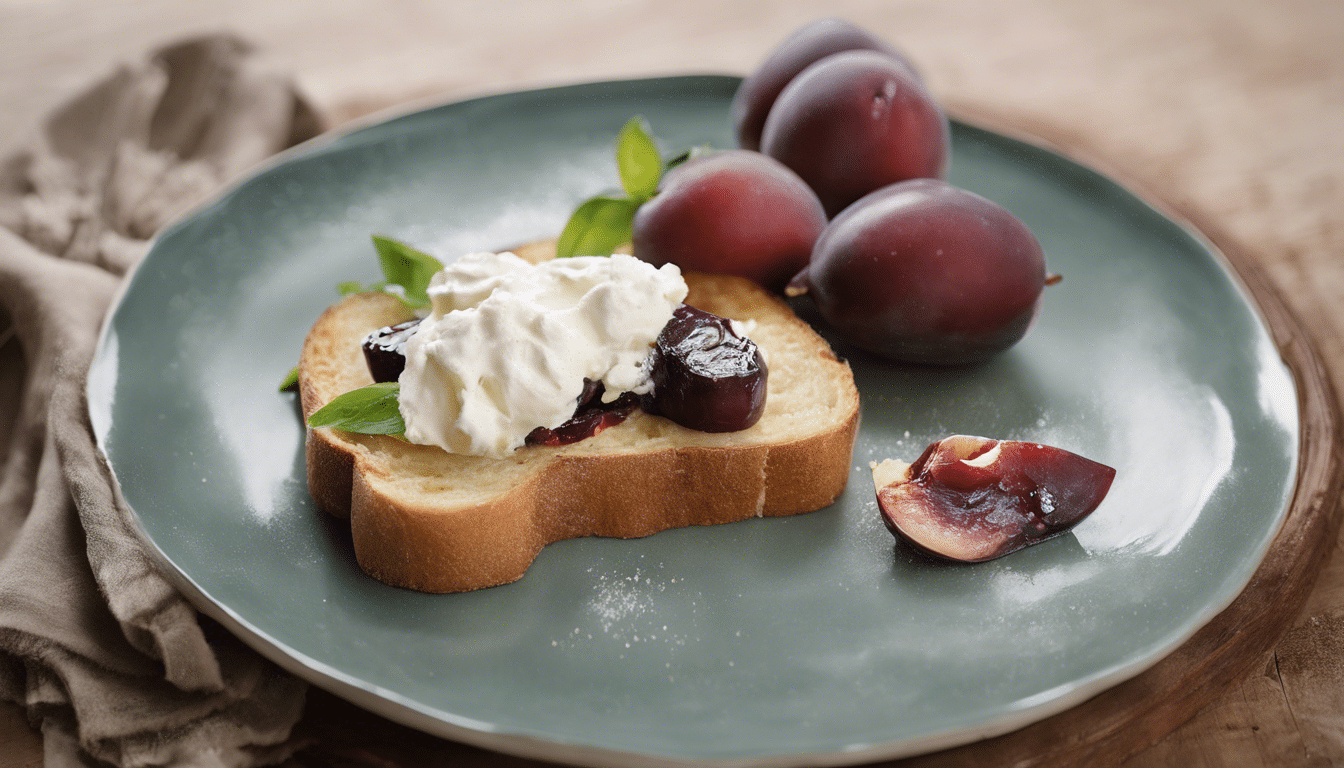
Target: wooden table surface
{"points": [[1232, 110]]}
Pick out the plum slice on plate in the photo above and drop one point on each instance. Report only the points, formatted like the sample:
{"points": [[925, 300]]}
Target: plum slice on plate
{"points": [[973, 499]]}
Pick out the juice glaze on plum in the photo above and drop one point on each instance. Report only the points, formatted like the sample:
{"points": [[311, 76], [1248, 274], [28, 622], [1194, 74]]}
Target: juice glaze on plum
{"points": [[973, 499]]}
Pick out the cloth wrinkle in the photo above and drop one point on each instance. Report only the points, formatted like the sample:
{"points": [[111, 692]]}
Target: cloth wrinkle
{"points": [[110, 661]]}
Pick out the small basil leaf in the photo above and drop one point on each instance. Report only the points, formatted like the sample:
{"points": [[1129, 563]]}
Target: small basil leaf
{"points": [[370, 410], [291, 381], [408, 267], [354, 286], [597, 227], [638, 160]]}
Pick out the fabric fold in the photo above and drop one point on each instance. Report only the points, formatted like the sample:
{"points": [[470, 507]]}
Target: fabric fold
{"points": [[105, 654]]}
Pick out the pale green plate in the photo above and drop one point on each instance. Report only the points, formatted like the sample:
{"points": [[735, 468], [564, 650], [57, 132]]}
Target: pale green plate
{"points": [[806, 640]]}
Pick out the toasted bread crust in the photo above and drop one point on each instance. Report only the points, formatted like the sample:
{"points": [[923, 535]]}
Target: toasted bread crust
{"points": [[428, 520]]}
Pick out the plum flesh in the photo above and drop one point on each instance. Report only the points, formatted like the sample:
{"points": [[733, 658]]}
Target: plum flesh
{"points": [[591, 416], [384, 350], [972, 499], [705, 376]]}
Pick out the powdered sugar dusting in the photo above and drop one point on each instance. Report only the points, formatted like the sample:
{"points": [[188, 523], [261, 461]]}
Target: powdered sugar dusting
{"points": [[628, 612]]}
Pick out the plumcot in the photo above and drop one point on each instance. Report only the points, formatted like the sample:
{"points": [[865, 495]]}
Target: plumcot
{"points": [[734, 212], [925, 272], [854, 122], [808, 44], [973, 499]]}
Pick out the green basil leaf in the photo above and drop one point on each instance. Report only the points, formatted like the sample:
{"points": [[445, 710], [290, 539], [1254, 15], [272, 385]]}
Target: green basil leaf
{"points": [[354, 286], [370, 410], [638, 160], [597, 227], [291, 381], [408, 267]]}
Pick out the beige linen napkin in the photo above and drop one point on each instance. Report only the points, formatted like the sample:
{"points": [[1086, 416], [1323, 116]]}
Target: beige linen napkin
{"points": [[106, 656]]}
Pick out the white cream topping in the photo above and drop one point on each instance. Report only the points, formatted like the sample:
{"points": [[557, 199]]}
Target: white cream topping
{"points": [[507, 345]]}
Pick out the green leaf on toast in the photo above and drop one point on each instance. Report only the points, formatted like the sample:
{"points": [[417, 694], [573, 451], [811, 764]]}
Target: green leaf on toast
{"points": [[407, 267], [370, 410], [597, 227], [637, 159], [354, 286]]}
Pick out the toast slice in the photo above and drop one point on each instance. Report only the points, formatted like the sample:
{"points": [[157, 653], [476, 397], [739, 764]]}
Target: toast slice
{"points": [[428, 520]]}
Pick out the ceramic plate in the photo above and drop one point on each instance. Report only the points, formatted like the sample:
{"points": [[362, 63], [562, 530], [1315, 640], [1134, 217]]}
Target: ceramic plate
{"points": [[807, 640]]}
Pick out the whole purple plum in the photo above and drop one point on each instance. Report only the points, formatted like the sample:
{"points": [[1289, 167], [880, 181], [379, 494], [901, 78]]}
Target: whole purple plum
{"points": [[734, 212], [808, 44], [854, 122], [922, 271]]}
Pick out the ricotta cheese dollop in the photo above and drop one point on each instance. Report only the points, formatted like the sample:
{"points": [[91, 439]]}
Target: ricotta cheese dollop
{"points": [[507, 345]]}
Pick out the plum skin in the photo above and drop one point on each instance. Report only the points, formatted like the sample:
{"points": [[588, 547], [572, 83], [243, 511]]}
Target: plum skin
{"points": [[705, 376], [854, 122], [972, 499], [736, 212], [922, 271], [808, 44]]}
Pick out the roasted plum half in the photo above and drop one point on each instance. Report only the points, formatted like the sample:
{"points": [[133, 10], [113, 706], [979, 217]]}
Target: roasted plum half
{"points": [[972, 499], [705, 376]]}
